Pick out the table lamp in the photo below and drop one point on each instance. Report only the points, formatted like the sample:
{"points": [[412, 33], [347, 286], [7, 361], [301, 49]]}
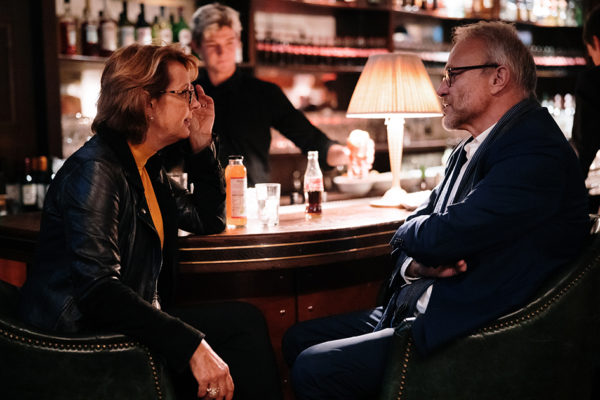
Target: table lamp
{"points": [[394, 86]]}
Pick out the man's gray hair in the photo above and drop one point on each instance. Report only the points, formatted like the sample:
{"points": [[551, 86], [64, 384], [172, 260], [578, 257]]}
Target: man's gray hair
{"points": [[214, 15], [504, 47]]}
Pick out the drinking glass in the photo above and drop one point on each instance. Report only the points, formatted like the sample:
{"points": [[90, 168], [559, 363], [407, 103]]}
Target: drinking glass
{"points": [[267, 199]]}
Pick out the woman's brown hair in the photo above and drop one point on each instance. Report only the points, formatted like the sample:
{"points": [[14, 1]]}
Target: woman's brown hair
{"points": [[132, 76]]}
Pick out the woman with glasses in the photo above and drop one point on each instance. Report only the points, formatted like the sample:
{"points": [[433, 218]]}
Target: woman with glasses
{"points": [[106, 254]]}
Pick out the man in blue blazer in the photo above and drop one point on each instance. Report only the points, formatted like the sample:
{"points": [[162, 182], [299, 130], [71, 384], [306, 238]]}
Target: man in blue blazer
{"points": [[510, 211]]}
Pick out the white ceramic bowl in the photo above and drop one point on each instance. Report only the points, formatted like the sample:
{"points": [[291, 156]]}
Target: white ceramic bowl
{"points": [[356, 187], [381, 181]]}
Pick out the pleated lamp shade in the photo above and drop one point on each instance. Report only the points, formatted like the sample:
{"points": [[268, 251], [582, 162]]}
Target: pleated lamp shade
{"points": [[394, 84]]}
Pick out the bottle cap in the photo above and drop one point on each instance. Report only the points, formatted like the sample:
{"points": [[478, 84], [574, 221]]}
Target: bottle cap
{"points": [[236, 157]]}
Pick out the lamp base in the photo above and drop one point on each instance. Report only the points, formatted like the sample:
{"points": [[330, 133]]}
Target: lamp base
{"points": [[393, 197]]}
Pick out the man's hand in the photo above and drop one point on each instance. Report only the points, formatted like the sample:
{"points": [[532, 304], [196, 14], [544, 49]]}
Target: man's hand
{"points": [[211, 373], [418, 270], [203, 118], [338, 155]]}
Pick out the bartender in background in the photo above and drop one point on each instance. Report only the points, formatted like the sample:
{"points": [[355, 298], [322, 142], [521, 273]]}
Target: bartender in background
{"points": [[246, 107], [586, 125]]}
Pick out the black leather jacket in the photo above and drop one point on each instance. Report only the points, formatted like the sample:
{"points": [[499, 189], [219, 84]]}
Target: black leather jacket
{"points": [[99, 256]]}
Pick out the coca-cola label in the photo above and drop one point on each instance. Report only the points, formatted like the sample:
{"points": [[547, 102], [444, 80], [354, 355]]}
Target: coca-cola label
{"points": [[314, 184]]}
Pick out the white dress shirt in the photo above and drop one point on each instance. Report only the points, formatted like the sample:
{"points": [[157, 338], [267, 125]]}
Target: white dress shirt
{"points": [[470, 150]]}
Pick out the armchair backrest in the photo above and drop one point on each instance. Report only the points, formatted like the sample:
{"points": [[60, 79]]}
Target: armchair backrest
{"points": [[45, 365]]}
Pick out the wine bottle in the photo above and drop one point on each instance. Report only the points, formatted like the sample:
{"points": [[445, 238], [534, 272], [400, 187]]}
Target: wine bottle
{"points": [[28, 188], [155, 27], [143, 31], [68, 31], [182, 33], [165, 32], [89, 32], [172, 22], [107, 32], [125, 29], [42, 181]]}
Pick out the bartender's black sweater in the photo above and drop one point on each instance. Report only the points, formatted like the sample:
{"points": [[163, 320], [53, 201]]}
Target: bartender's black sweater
{"points": [[245, 110]]}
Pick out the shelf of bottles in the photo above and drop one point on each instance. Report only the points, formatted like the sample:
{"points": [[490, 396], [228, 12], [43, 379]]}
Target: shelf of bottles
{"points": [[92, 39], [544, 59], [540, 12], [292, 50], [26, 189], [273, 52]]}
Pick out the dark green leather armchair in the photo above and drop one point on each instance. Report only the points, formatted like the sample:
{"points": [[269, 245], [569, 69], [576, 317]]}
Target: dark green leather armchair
{"points": [[546, 350], [37, 365]]}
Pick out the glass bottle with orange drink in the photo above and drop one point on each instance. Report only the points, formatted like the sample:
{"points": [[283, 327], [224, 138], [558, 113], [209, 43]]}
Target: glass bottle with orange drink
{"points": [[236, 181]]}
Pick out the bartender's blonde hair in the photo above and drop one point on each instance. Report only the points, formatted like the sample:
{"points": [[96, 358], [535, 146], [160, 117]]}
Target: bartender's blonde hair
{"points": [[214, 16], [503, 47], [132, 76]]}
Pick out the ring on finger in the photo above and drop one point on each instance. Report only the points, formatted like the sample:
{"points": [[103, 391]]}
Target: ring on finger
{"points": [[212, 392]]}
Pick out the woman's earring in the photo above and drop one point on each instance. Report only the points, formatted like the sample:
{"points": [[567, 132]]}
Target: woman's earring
{"points": [[151, 118]]}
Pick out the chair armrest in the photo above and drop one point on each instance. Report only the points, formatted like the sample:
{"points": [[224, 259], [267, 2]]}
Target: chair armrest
{"points": [[395, 374], [38, 365]]}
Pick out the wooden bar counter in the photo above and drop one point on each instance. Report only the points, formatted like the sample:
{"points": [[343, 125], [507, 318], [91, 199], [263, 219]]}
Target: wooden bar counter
{"points": [[346, 230], [301, 269]]}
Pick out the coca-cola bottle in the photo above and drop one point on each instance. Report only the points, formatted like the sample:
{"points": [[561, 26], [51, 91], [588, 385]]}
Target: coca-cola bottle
{"points": [[313, 185]]}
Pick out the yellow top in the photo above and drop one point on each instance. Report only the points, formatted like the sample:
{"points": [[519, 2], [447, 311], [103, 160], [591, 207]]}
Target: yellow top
{"points": [[141, 155]]}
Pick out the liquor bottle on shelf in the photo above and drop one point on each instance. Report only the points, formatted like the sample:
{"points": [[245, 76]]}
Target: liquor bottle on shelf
{"points": [[42, 180], [182, 33], [155, 29], [28, 188], [236, 183], [107, 34], [313, 185], [143, 31], [165, 31], [89, 32], [296, 196], [68, 31], [125, 29], [12, 187]]}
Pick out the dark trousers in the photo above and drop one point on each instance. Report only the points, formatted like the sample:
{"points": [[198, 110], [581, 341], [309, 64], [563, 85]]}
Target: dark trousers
{"points": [[237, 332], [338, 357]]}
